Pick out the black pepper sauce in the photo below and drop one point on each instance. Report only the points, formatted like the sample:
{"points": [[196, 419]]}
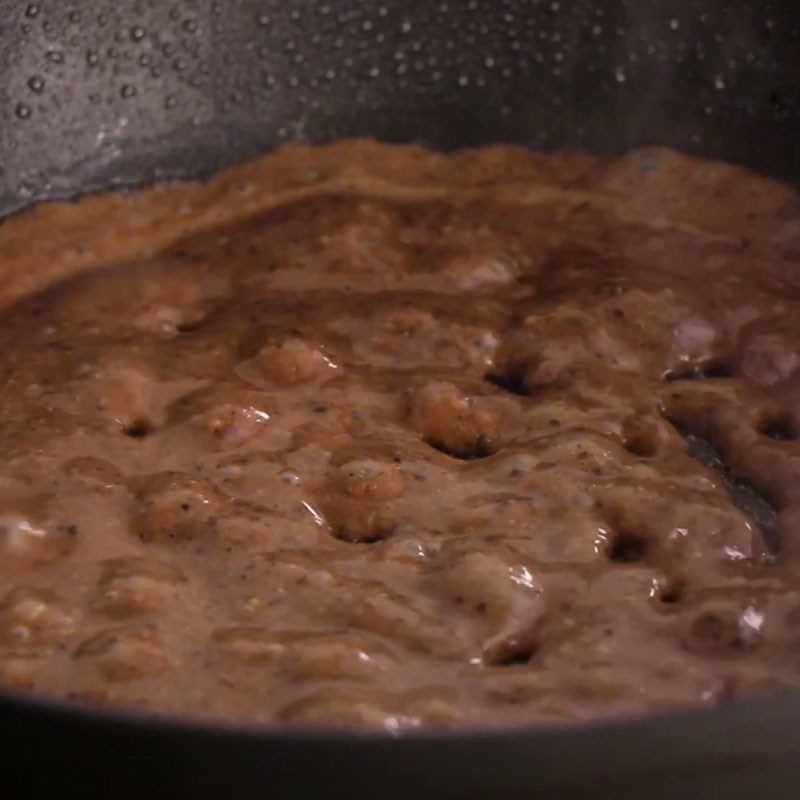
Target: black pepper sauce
{"points": [[368, 436]]}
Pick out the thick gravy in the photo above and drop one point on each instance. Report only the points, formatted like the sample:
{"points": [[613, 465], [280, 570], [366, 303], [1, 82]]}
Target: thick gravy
{"points": [[368, 436]]}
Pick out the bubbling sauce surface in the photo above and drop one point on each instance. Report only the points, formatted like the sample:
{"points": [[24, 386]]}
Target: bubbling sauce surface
{"points": [[367, 436]]}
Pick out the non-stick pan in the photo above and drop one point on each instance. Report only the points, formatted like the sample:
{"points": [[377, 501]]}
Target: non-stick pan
{"points": [[96, 94]]}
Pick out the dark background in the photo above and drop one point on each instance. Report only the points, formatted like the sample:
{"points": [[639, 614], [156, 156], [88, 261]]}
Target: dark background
{"points": [[125, 91]]}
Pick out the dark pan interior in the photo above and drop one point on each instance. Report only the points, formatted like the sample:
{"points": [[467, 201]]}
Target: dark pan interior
{"points": [[97, 94]]}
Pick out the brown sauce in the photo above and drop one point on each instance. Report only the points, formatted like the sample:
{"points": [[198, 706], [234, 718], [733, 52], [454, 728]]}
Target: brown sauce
{"points": [[368, 436]]}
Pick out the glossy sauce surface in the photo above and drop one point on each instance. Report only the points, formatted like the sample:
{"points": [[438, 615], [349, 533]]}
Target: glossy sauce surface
{"points": [[368, 436]]}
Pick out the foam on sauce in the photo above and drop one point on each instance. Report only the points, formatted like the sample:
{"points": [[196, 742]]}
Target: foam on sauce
{"points": [[369, 436]]}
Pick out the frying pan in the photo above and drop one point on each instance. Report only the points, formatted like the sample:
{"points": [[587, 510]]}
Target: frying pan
{"points": [[114, 94]]}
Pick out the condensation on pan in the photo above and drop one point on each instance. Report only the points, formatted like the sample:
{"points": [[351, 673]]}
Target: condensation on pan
{"points": [[142, 89]]}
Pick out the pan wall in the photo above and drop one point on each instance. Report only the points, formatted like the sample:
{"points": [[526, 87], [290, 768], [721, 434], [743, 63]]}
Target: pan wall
{"points": [[94, 94]]}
